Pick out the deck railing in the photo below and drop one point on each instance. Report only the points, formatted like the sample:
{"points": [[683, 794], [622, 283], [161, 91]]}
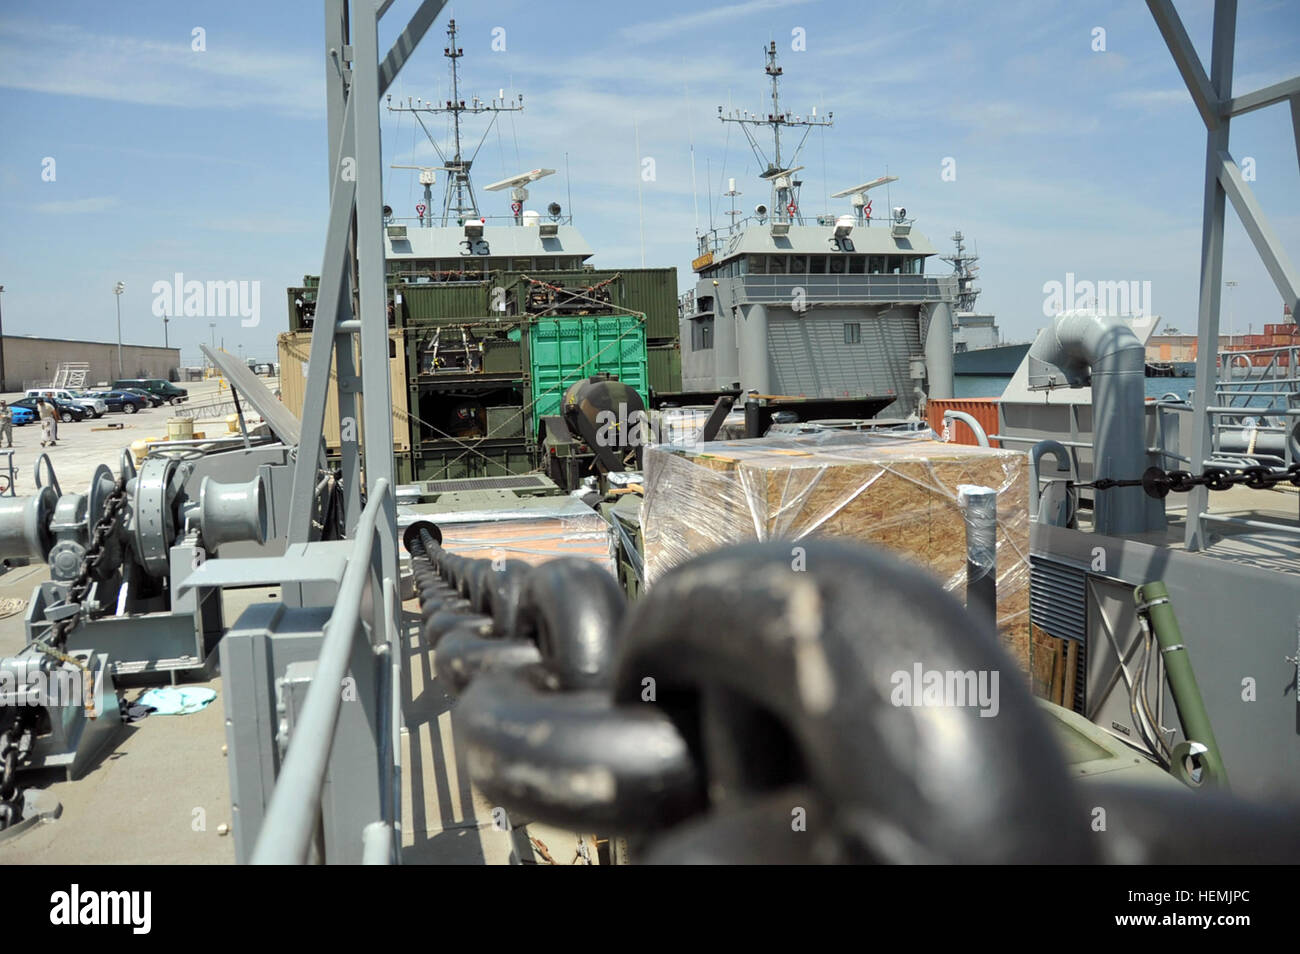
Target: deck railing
{"points": [[289, 832]]}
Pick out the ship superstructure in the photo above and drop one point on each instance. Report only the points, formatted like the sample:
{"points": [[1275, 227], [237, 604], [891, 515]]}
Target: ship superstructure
{"points": [[496, 314], [830, 307]]}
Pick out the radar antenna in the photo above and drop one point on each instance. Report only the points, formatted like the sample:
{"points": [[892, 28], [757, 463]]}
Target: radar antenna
{"points": [[861, 204], [519, 194]]}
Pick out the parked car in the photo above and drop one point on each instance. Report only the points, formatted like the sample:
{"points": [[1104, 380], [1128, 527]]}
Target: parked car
{"points": [[164, 389], [67, 412], [22, 415], [83, 398], [153, 399], [127, 401]]}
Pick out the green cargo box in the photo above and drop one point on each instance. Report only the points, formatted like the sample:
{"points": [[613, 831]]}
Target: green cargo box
{"points": [[564, 350], [455, 460], [665, 366], [424, 303]]}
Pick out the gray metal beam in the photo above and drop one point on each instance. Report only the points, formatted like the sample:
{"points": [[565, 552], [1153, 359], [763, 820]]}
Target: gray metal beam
{"points": [[1204, 94], [1261, 97], [1207, 328], [1261, 233], [331, 298], [1295, 124], [377, 431], [408, 41]]}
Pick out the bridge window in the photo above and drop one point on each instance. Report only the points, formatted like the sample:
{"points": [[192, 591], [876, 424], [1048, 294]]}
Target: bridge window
{"points": [[836, 264], [857, 264], [876, 264], [817, 265], [776, 265], [798, 264], [757, 264], [852, 332]]}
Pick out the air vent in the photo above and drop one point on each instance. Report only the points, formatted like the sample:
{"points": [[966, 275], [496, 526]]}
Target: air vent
{"points": [[1057, 598], [1058, 606]]}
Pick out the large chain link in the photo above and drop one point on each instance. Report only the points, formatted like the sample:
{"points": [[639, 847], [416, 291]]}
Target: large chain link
{"points": [[723, 710]]}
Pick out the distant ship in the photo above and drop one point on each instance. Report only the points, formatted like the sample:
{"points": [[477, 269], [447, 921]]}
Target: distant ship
{"points": [[977, 345], [832, 313]]}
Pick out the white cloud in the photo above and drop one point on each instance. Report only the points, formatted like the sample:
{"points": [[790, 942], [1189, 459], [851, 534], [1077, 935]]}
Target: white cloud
{"points": [[67, 60], [658, 29], [1152, 99], [75, 206]]}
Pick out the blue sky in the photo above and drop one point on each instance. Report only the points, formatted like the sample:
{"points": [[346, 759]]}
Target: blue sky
{"points": [[212, 163]]}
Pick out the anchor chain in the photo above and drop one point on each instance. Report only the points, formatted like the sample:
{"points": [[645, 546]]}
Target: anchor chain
{"points": [[15, 744], [1159, 483], [722, 717]]}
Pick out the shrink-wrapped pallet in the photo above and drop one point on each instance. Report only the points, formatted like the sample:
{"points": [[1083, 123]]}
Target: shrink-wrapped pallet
{"points": [[900, 492]]}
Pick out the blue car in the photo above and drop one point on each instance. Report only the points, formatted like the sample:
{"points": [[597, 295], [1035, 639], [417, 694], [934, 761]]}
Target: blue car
{"points": [[21, 415], [125, 401]]}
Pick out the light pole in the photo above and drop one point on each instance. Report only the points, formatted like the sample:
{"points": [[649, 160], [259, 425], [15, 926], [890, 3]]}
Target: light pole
{"points": [[2, 348], [117, 292]]}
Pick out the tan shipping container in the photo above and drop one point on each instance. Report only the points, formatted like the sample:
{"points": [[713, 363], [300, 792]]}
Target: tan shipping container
{"points": [[295, 350]]}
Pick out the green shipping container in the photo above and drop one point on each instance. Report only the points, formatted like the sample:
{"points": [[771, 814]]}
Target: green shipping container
{"points": [[444, 301], [665, 367], [564, 350]]}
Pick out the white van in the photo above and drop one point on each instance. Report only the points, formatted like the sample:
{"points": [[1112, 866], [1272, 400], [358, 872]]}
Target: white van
{"points": [[94, 405]]}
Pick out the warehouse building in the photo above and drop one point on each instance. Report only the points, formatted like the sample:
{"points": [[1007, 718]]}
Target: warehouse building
{"points": [[27, 361]]}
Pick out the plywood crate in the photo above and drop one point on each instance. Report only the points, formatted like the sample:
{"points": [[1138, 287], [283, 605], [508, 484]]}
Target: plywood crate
{"points": [[295, 352], [897, 493]]}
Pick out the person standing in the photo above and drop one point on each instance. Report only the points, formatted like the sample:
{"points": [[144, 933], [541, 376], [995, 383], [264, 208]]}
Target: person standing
{"points": [[6, 423], [49, 436]]}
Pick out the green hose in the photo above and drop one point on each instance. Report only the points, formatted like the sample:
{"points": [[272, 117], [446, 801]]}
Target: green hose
{"points": [[1153, 602]]}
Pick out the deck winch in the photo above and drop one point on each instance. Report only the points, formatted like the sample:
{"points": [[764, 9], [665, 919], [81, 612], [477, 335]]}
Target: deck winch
{"points": [[116, 554]]}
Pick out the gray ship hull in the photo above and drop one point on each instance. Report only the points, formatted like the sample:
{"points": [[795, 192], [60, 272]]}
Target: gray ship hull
{"points": [[998, 360]]}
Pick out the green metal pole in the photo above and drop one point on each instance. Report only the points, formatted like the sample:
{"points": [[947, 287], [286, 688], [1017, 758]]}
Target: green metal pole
{"points": [[1153, 602]]}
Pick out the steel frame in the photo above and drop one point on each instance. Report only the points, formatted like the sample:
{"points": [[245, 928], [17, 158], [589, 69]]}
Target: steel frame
{"points": [[1213, 97], [352, 274]]}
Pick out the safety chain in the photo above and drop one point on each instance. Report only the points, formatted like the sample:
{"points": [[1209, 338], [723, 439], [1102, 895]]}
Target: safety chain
{"points": [[741, 710], [15, 745], [1159, 483], [80, 586]]}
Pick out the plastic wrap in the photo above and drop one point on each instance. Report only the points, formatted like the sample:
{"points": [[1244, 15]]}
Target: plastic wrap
{"points": [[561, 527], [898, 491]]}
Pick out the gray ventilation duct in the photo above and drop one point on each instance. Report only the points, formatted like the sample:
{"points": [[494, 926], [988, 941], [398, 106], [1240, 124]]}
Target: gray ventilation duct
{"points": [[1082, 348]]}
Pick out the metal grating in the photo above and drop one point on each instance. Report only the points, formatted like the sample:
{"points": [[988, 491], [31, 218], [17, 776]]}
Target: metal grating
{"points": [[1057, 601], [519, 482]]}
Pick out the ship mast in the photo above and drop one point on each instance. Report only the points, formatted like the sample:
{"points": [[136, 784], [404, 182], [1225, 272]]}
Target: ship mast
{"points": [[965, 269], [785, 196], [458, 198]]}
